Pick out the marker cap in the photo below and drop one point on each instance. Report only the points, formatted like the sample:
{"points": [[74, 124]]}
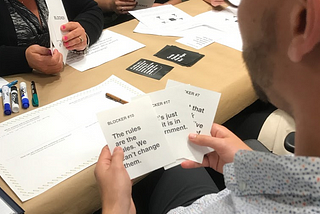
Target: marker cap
{"points": [[7, 109], [35, 101], [25, 103], [15, 108]]}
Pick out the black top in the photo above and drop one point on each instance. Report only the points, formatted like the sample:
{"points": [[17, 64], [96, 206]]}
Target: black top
{"points": [[12, 57]]}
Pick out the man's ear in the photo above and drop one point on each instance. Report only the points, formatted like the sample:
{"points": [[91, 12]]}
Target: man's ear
{"points": [[305, 28]]}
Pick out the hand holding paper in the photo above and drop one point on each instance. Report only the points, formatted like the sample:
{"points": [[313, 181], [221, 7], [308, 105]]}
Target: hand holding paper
{"points": [[223, 141], [57, 18], [153, 129], [51, 61], [110, 170], [75, 37], [43, 60]]}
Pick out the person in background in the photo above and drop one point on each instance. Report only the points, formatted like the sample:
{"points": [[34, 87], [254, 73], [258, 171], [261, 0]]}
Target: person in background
{"points": [[281, 48], [24, 38], [116, 11]]}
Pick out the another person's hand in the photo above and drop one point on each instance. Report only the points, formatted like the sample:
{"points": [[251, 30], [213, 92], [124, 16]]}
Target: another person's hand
{"points": [[123, 6], [41, 59], [75, 37], [223, 141], [114, 182], [157, 4], [172, 2], [215, 3]]}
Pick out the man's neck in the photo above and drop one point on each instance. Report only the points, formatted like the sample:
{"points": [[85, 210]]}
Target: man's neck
{"points": [[307, 137]]}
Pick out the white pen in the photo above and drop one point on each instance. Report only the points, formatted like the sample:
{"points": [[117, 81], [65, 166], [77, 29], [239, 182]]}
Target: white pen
{"points": [[14, 99]]}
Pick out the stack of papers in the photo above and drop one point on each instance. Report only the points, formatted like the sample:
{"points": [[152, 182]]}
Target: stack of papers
{"points": [[197, 32], [153, 129]]}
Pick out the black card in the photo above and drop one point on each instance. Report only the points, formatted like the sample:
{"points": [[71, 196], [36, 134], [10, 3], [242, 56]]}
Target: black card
{"points": [[178, 55], [150, 68]]}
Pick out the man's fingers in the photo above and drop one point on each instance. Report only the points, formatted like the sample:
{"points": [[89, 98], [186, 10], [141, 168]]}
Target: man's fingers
{"points": [[188, 164], [105, 156], [205, 140], [117, 156]]}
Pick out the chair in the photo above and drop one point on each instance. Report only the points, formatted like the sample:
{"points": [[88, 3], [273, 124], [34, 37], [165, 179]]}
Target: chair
{"points": [[289, 142]]}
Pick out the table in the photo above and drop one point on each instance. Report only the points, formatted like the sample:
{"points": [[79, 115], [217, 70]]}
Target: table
{"points": [[222, 69]]}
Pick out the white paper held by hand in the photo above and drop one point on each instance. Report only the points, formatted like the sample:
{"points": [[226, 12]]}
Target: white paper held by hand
{"points": [[136, 129], [57, 17]]}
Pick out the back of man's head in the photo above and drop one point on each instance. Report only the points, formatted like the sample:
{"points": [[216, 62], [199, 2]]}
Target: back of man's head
{"points": [[281, 49]]}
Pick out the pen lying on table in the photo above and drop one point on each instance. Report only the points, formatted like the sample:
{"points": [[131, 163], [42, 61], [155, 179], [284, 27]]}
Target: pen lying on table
{"points": [[115, 98]]}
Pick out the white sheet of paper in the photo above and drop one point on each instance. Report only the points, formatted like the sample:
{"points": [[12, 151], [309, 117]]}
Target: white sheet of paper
{"points": [[110, 46], [225, 21], [70, 139], [136, 129], [199, 36], [233, 41], [142, 28], [196, 42], [57, 17], [166, 17]]}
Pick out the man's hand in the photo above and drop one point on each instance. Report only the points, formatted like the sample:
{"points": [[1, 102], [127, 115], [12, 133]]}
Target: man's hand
{"points": [[40, 59], [114, 182], [225, 144], [76, 38]]}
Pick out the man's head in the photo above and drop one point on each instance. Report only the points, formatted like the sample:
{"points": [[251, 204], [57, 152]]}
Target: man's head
{"points": [[281, 51]]}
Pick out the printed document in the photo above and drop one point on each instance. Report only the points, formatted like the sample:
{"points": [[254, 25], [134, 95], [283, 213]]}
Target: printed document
{"points": [[45, 146], [166, 18]]}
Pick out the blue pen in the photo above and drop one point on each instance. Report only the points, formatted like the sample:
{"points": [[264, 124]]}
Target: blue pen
{"points": [[10, 84]]}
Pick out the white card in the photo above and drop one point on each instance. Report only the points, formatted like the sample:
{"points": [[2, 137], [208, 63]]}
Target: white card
{"points": [[142, 4], [57, 17], [196, 41], [137, 130], [171, 106], [203, 105]]}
